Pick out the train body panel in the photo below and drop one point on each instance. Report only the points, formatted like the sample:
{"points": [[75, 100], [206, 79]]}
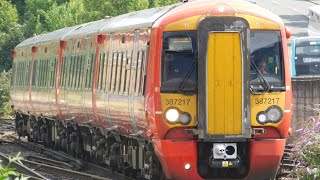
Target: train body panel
{"points": [[164, 92], [43, 93]]}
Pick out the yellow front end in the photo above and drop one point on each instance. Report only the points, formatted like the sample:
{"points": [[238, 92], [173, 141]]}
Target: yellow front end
{"points": [[185, 105], [224, 84]]}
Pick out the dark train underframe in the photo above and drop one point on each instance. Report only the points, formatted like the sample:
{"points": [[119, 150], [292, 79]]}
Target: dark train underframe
{"points": [[131, 156], [134, 157]]}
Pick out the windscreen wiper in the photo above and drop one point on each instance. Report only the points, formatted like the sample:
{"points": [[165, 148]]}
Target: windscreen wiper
{"points": [[182, 83], [265, 88]]}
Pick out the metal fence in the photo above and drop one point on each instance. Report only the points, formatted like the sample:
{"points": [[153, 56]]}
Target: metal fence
{"points": [[306, 99]]}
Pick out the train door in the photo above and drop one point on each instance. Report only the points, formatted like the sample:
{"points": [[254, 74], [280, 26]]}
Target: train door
{"points": [[138, 74], [133, 101], [28, 63], [65, 73], [51, 90], [224, 71], [90, 55]]}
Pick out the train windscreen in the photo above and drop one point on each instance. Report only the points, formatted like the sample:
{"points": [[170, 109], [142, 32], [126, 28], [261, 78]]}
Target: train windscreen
{"points": [[179, 70], [307, 57], [266, 69]]}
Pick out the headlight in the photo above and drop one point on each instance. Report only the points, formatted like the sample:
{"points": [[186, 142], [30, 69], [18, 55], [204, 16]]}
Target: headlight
{"points": [[185, 118], [272, 115], [262, 118], [172, 115]]}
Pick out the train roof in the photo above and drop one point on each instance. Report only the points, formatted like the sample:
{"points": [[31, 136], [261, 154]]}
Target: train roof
{"points": [[134, 20], [55, 35], [239, 6], [145, 19]]}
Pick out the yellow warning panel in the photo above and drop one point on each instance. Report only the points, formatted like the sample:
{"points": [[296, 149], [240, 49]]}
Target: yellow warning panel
{"points": [[225, 164], [224, 85]]}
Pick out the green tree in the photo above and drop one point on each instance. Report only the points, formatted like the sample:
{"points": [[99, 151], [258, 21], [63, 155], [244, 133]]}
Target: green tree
{"points": [[10, 33], [21, 7], [36, 14], [66, 14], [103, 8], [157, 3]]}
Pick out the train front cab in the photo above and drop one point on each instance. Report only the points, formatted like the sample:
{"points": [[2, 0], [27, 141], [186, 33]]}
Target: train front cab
{"points": [[226, 119]]}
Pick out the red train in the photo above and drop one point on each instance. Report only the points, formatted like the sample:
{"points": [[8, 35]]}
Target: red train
{"points": [[166, 93]]}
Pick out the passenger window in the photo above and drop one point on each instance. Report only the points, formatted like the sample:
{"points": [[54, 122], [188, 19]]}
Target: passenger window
{"points": [[63, 72], [105, 71], [114, 71], [35, 68], [67, 72], [71, 69], [134, 74], [27, 73], [128, 72], [143, 72], [87, 73], [108, 72], [46, 68], [119, 65], [139, 69], [82, 72], [78, 64], [76, 71], [53, 72], [101, 65], [93, 60], [123, 73], [42, 72]]}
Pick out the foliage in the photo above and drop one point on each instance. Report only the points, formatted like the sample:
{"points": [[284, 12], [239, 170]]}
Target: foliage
{"points": [[10, 33], [307, 146], [157, 3], [5, 105], [36, 15], [7, 172], [45, 16]]}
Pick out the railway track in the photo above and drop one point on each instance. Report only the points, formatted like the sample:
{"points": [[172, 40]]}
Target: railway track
{"points": [[74, 163], [287, 164], [51, 162], [7, 130], [66, 165], [7, 124], [21, 168], [63, 173]]}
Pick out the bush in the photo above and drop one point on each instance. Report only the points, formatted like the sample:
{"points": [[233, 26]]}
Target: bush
{"points": [[9, 173], [307, 150], [5, 104]]}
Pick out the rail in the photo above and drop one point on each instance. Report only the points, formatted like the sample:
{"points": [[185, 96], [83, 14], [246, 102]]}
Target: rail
{"points": [[65, 162], [21, 168]]}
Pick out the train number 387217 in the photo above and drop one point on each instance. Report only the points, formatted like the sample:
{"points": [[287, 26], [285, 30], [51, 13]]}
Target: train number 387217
{"points": [[267, 100], [181, 102]]}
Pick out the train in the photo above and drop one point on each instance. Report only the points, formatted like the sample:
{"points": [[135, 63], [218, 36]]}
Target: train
{"points": [[173, 92], [304, 56]]}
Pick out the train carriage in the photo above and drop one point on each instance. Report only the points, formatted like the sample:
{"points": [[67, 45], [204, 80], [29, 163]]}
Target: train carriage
{"points": [[176, 92]]}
